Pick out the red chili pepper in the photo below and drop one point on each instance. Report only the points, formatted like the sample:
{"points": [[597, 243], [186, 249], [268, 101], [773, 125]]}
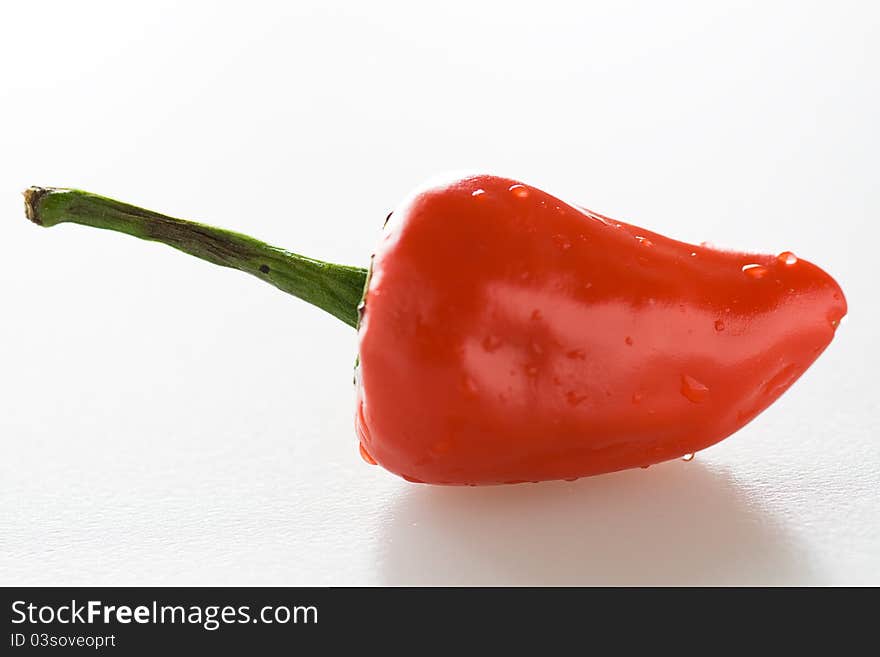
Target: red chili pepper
{"points": [[507, 336]]}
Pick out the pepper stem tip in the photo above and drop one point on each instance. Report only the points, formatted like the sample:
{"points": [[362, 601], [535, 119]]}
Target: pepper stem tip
{"points": [[32, 196]]}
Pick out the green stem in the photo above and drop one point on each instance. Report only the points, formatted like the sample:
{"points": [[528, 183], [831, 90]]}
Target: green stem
{"points": [[335, 288]]}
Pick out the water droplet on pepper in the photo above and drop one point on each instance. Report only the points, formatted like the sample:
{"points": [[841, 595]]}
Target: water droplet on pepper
{"points": [[787, 258], [754, 271], [693, 390]]}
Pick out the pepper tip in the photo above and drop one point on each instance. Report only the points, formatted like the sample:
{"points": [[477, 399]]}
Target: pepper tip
{"points": [[32, 196]]}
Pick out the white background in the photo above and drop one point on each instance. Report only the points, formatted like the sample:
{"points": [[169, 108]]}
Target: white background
{"points": [[163, 421]]}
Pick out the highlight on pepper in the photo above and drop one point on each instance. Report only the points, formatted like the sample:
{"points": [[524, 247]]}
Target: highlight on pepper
{"points": [[507, 336]]}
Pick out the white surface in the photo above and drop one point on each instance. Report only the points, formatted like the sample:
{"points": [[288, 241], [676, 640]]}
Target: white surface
{"points": [[164, 421]]}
